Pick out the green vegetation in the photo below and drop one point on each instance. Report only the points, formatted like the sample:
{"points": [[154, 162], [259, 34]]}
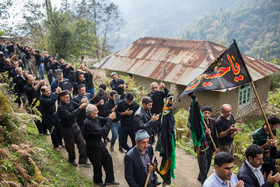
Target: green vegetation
{"points": [[274, 98], [241, 141], [25, 157], [255, 28]]}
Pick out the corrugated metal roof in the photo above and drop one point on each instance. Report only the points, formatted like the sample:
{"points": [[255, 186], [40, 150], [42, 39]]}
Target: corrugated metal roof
{"points": [[183, 59]]}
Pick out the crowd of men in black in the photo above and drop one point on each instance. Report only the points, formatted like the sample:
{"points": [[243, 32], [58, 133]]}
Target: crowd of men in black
{"points": [[69, 107]]}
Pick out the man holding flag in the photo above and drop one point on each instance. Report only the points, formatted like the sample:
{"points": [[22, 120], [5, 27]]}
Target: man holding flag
{"points": [[227, 71], [204, 161]]}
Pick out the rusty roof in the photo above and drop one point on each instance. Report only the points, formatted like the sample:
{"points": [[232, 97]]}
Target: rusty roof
{"points": [[183, 59]]}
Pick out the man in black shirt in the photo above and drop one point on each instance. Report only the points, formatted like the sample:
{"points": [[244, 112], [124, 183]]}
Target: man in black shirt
{"points": [[81, 80], [118, 85], [157, 94], [100, 100], [126, 110], [49, 115], [39, 64], [88, 77], [2, 61], [111, 106], [66, 69], [82, 97], [205, 158], [67, 112], [226, 129], [32, 91], [19, 83], [96, 128]]}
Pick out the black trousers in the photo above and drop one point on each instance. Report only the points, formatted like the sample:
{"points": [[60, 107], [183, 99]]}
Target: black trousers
{"points": [[204, 163], [39, 126], [55, 129], [99, 158], [71, 136], [125, 131]]}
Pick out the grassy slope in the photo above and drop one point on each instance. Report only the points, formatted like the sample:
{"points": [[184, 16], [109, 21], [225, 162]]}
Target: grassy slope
{"points": [[53, 165]]}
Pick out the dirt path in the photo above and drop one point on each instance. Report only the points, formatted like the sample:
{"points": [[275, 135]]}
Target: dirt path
{"points": [[186, 171]]}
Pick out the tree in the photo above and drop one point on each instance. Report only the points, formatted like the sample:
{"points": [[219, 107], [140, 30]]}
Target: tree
{"points": [[106, 17], [60, 33], [4, 13]]}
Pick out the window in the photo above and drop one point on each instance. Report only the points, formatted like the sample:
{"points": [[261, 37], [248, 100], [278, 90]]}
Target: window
{"points": [[245, 94]]}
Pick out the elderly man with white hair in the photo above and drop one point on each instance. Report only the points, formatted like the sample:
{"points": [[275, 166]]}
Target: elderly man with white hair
{"points": [[96, 128], [227, 129]]}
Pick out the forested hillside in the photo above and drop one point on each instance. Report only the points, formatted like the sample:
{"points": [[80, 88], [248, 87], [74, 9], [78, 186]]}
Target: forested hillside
{"points": [[256, 28], [166, 17]]}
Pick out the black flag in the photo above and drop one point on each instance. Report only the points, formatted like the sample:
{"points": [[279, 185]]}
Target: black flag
{"points": [[228, 70]]}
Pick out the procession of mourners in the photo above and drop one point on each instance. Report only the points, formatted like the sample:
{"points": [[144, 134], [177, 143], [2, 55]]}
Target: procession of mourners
{"points": [[75, 113]]}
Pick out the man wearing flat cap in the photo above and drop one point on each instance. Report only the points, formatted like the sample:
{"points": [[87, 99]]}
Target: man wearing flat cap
{"points": [[206, 153], [138, 162], [67, 112], [118, 85]]}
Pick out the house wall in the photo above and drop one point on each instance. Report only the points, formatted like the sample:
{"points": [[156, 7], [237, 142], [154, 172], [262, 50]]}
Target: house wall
{"points": [[214, 99]]}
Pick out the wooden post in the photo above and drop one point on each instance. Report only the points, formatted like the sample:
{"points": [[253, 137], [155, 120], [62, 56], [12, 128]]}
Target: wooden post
{"points": [[255, 91], [148, 176], [210, 137], [259, 101]]}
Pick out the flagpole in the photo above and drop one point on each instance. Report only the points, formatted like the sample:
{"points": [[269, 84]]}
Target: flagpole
{"points": [[148, 176], [210, 136], [256, 93], [259, 102]]}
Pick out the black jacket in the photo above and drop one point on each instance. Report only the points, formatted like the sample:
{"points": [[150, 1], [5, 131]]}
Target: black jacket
{"points": [[157, 98], [115, 86], [109, 105], [68, 113], [135, 171], [126, 120], [212, 127], [247, 176], [38, 59], [31, 93], [144, 121], [76, 84], [48, 109], [82, 116], [94, 130], [20, 82], [102, 108]]}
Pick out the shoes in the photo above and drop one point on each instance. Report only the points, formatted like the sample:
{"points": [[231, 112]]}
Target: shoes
{"points": [[61, 144], [121, 150], [85, 163], [111, 148], [112, 183], [47, 133], [100, 183], [73, 163], [158, 183], [41, 134], [56, 149]]}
